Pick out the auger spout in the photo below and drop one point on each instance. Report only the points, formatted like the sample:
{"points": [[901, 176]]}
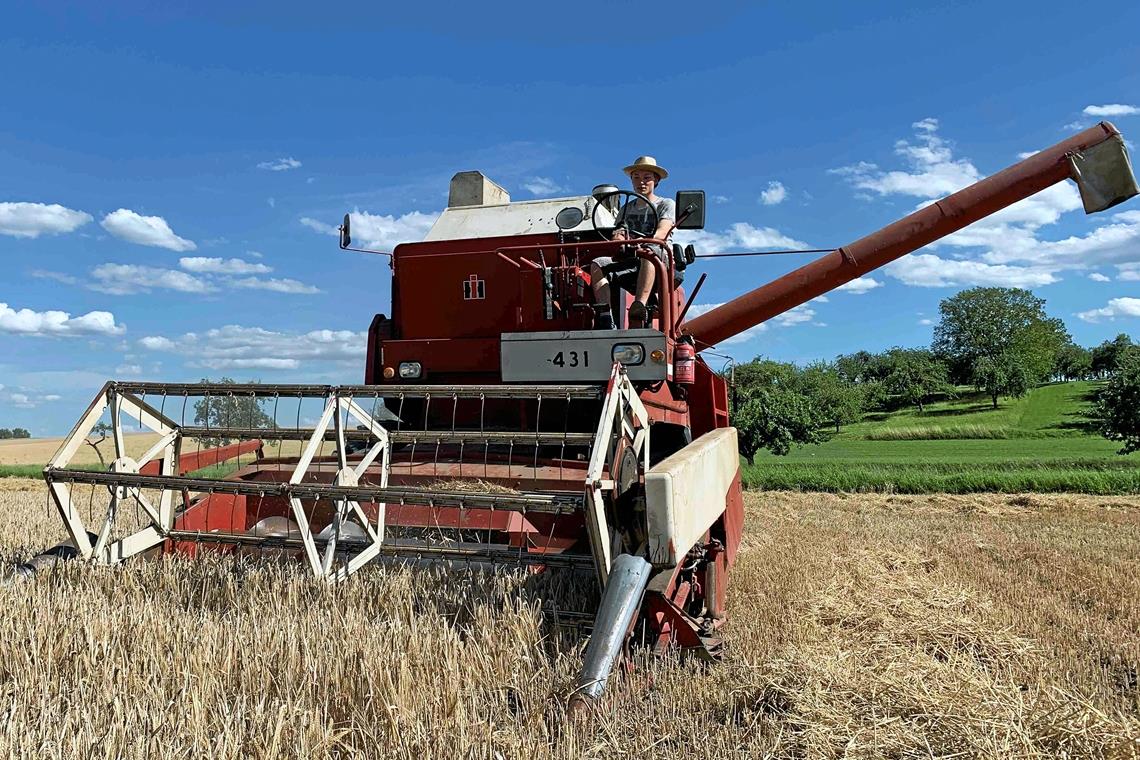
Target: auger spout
{"points": [[629, 575], [1096, 159]]}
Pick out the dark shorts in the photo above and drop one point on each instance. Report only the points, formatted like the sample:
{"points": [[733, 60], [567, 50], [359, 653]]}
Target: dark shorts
{"points": [[622, 272]]}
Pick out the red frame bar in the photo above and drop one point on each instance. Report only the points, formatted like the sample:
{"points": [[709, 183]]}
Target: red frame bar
{"points": [[663, 281]]}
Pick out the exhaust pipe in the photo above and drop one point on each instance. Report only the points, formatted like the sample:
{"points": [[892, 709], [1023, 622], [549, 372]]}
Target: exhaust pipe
{"points": [[629, 575]]}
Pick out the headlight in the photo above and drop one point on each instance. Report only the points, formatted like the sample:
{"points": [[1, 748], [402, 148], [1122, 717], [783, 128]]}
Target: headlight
{"points": [[629, 354], [410, 370]]}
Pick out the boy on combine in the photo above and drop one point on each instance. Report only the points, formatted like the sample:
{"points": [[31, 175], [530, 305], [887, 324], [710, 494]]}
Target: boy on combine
{"points": [[636, 219]]}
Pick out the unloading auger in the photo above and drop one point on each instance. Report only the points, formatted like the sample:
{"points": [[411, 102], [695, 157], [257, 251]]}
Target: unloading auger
{"points": [[495, 426]]}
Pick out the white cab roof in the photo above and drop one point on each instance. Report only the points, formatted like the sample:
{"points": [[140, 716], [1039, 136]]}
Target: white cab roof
{"points": [[518, 218]]}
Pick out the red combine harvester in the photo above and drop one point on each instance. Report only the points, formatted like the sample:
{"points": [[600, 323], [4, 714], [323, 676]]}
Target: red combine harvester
{"points": [[495, 426]]}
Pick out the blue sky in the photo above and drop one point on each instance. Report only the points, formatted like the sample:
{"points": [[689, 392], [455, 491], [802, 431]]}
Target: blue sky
{"points": [[168, 175]]}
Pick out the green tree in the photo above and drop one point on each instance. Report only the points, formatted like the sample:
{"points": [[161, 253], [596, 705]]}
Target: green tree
{"points": [[1117, 408], [20, 433], [839, 402], [1073, 363], [772, 411], [231, 410], [5, 434], [861, 367], [1107, 357], [915, 375], [1001, 338], [1002, 375]]}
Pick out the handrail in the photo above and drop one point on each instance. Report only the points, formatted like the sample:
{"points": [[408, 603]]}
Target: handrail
{"points": [[664, 271]]}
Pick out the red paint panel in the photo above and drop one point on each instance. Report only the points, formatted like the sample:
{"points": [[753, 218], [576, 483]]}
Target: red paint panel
{"points": [[708, 401], [432, 291], [672, 624]]}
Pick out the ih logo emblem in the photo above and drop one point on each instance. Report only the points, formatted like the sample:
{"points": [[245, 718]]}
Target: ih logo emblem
{"points": [[474, 289]]}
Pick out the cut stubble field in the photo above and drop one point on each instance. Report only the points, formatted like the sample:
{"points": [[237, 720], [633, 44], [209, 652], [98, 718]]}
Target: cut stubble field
{"points": [[861, 626]]}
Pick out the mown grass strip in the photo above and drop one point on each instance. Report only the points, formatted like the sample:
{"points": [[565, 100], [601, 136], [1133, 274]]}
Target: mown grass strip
{"points": [[946, 433], [1077, 476]]}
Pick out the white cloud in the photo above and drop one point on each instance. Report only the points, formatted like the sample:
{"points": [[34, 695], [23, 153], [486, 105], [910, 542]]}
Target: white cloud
{"points": [[29, 322], [1128, 272], [145, 230], [926, 322], [237, 347], [1005, 248], [933, 170], [384, 232], [1111, 109], [207, 265], [157, 343], [1098, 277], [30, 220], [22, 400], [45, 274], [860, 285], [277, 285], [802, 314], [126, 279], [543, 186], [738, 236], [280, 164], [774, 194], [720, 199], [128, 370], [1121, 308], [930, 271]]}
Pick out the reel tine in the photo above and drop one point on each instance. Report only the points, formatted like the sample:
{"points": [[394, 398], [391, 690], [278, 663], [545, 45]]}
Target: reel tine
{"points": [[537, 429]]}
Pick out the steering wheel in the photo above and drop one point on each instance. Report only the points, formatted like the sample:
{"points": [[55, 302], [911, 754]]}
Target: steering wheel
{"points": [[623, 195]]}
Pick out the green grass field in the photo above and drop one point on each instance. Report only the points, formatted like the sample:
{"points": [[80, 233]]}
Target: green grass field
{"points": [[1038, 443]]}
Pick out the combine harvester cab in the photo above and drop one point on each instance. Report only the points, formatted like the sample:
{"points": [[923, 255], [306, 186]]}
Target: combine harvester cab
{"points": [[496, 426]]}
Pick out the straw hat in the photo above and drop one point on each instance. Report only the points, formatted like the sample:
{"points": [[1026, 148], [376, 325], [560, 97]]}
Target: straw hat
{"points": [[649, 164]]}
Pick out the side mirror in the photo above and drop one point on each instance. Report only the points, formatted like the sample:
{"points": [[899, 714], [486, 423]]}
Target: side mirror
{"points": [[345, 233], [690, 209], [569, 218]]}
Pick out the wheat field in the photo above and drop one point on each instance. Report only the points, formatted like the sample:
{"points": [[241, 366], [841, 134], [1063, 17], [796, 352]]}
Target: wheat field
{"points": [[864, 626]]}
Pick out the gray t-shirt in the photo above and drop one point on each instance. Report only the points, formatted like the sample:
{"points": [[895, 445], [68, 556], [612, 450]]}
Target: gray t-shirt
{"points": [[637, 217]]}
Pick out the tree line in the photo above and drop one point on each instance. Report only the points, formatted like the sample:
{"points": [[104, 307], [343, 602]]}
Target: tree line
{"points": [[998, 341], [6, 434]]}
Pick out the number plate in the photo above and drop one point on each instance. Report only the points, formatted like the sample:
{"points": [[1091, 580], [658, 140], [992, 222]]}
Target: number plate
{"points": [[579, 356]]}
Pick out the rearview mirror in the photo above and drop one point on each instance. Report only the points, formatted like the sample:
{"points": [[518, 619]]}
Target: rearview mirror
{"points": [[569, 218], [690, 209], [345, 233]]}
